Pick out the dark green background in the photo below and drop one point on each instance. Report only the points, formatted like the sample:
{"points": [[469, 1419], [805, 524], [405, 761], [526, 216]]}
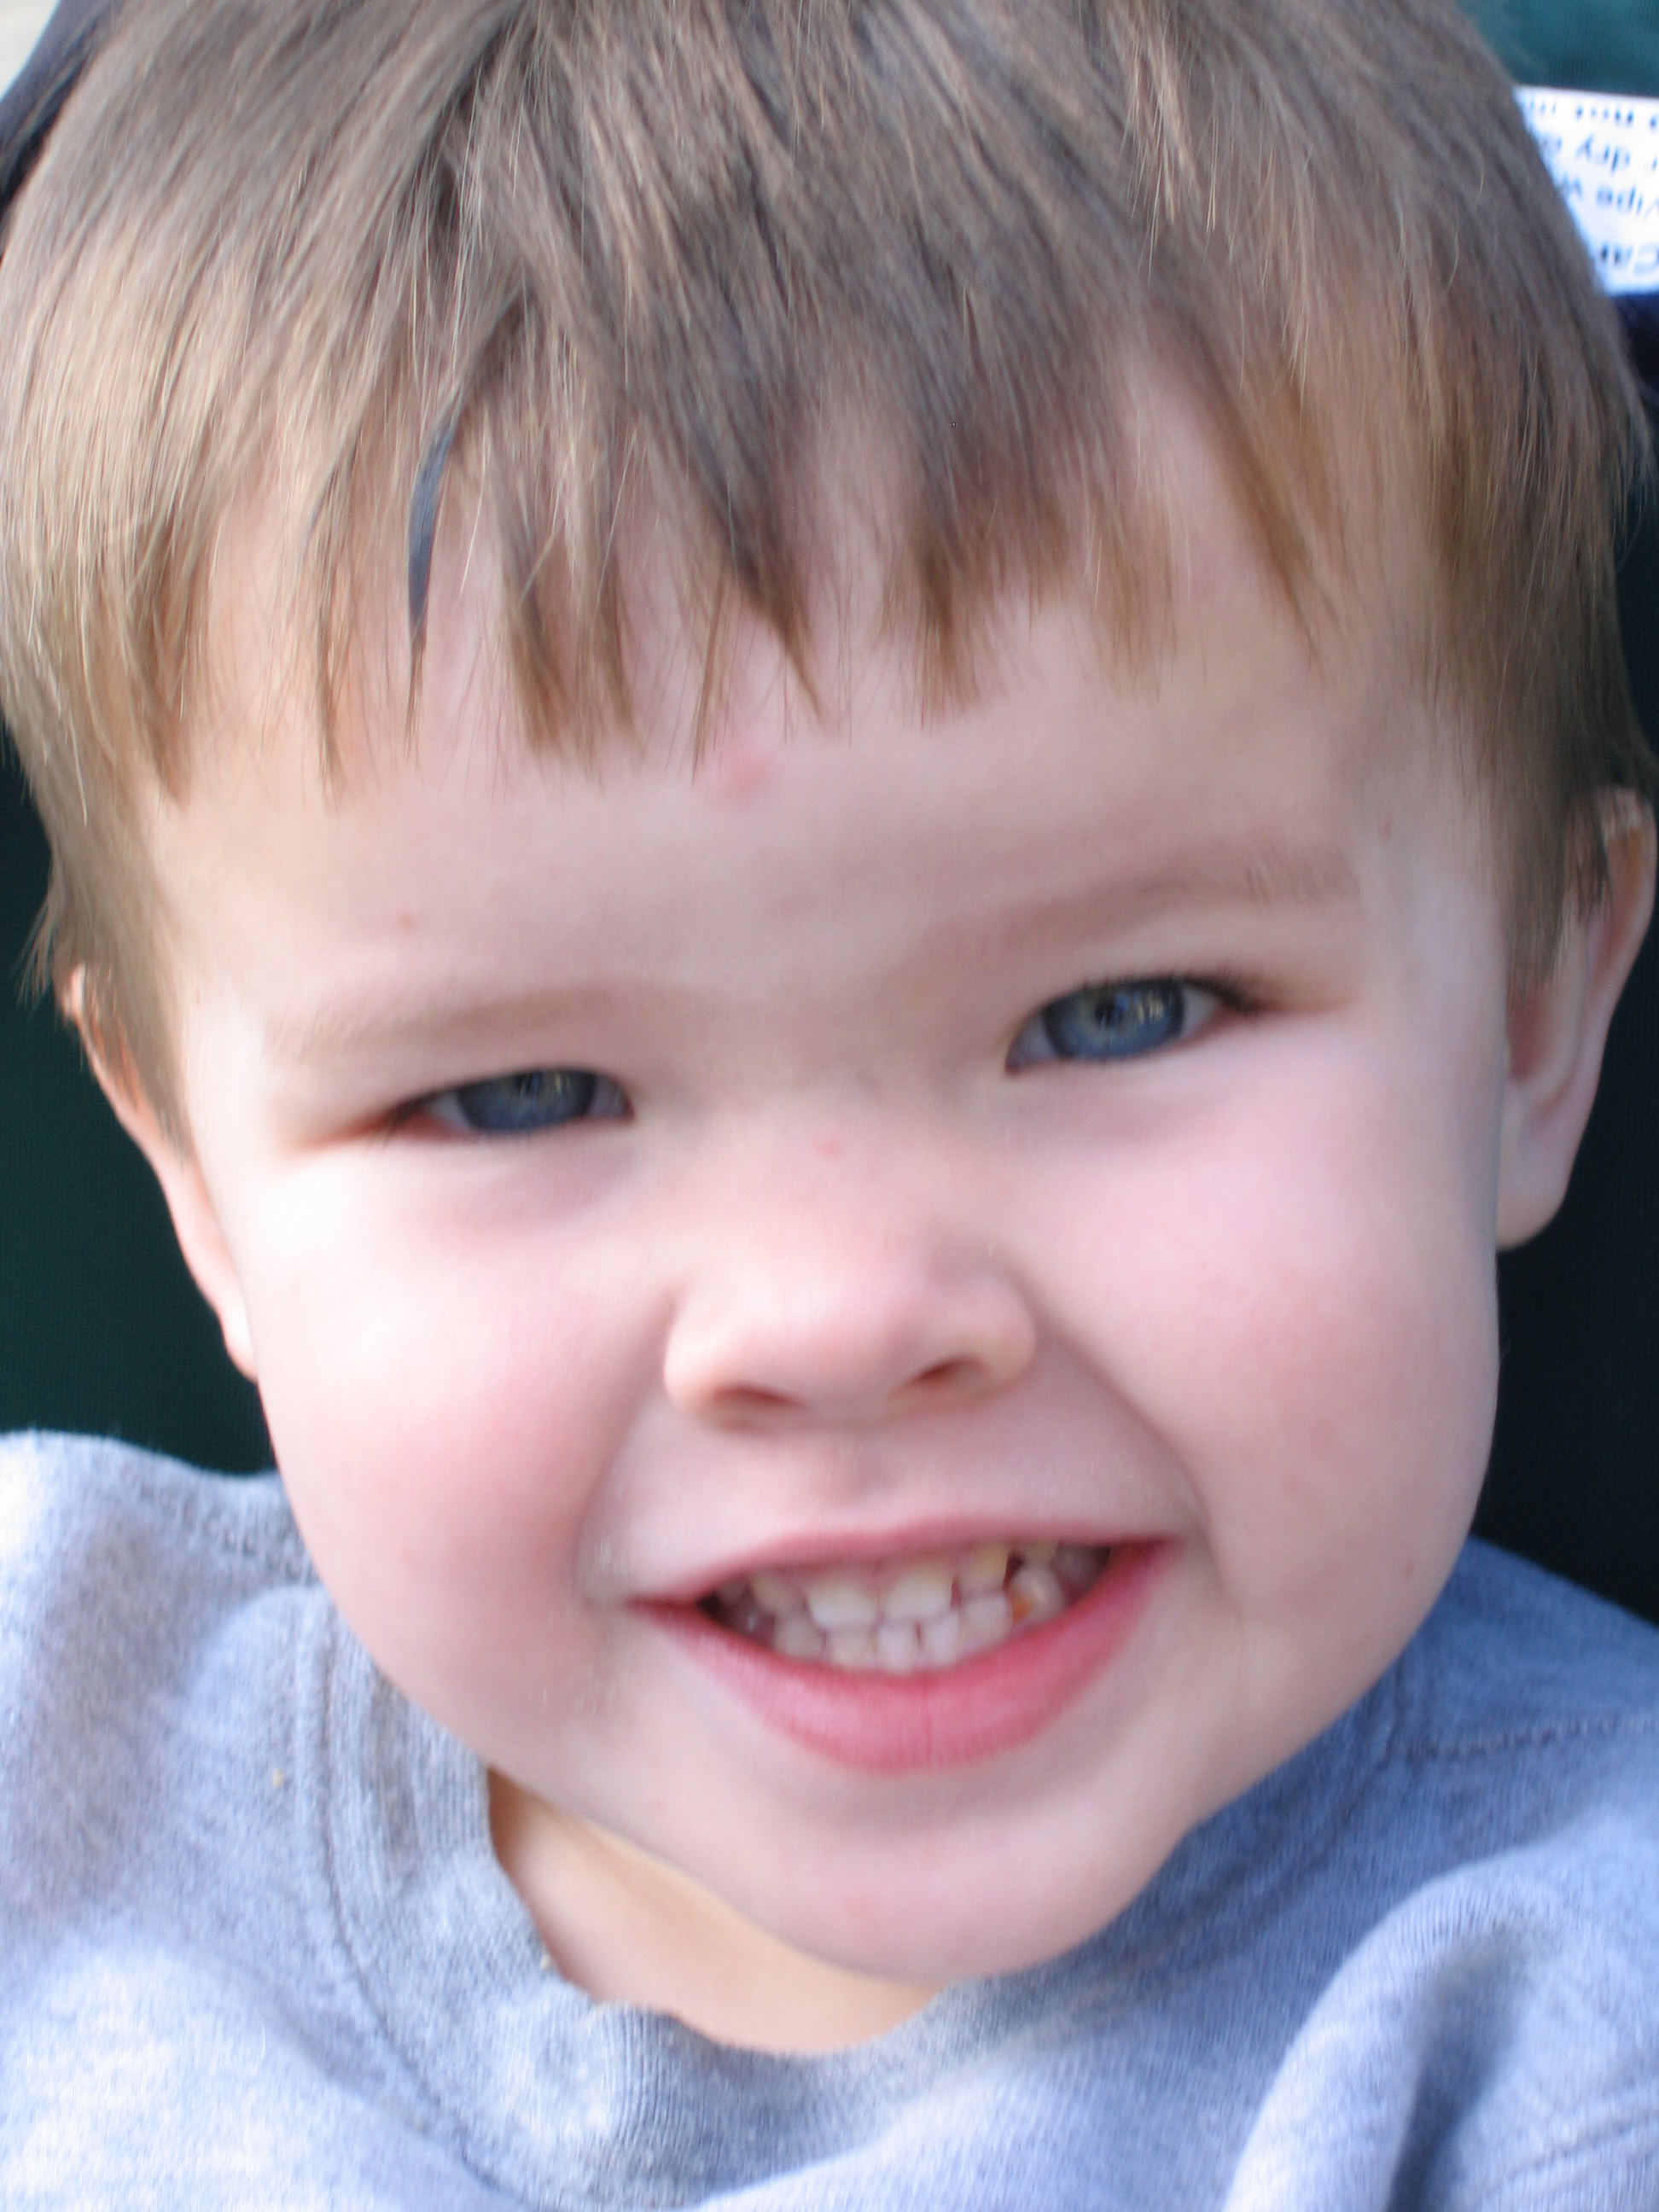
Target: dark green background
{"points": [[1592, 45], [101, 1326]]}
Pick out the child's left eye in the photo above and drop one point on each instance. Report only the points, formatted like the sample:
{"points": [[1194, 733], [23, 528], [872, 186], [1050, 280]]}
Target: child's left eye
{"points": [[533, 1098], [1115, 1021]]}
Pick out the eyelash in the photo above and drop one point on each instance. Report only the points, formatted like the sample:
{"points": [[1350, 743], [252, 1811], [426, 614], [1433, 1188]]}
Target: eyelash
{"points": [[601, 1090], [1231, 993]]}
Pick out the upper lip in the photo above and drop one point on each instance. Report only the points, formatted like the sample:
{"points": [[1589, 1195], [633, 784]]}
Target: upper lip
{"points": [[820, 1549]]}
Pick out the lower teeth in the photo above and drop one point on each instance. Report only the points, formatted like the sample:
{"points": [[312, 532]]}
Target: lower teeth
{"points": [[931, 1615]]}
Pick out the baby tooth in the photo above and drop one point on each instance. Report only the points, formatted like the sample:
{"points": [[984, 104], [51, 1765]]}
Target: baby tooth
{"points": [[747, 1618], [1038, 1555], [851, 1647], [986, 1619], [1036, 1595], [795, 1637], [896, 1647], [984, 1569], [919, 1594], [777, 1593], [941, 1640], [1076, 1566], [837, 1602]]}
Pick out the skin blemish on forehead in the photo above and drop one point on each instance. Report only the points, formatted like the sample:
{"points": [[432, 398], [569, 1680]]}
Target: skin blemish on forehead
{"points": [[751, 709], [740, 766]]}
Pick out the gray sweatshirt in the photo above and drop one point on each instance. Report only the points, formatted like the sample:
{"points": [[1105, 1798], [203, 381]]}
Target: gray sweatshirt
{"points": [[257, 1952]]}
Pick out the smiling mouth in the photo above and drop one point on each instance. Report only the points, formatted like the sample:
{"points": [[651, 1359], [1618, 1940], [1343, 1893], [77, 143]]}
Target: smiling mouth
{"points": [[911, 1617]]}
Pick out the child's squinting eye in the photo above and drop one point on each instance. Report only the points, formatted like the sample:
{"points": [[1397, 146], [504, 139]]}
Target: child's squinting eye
{"points": [[535, 1098], [1115, 1021]]}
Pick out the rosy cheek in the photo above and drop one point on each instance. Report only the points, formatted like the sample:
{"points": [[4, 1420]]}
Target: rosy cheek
{"points": [[445, 1411], [1299, 1307], [1357, 1360]]}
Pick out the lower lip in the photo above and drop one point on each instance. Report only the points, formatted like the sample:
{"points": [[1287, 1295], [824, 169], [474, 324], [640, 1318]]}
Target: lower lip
{"points": [[906, 1723]]}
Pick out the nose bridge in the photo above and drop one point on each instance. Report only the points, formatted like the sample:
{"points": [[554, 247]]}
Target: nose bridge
{"points": [[831, 1273]]}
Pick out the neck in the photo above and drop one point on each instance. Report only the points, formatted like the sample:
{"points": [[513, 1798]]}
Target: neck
{"points": [[627, 1927]]}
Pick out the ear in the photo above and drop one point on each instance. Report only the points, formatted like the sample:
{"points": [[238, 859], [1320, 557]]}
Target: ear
{"points": [[1557, 1034], [195, 1218]]}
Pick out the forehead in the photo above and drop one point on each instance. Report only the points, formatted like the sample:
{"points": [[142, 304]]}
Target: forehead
{"points": [[1206, 590], [1235, 755]]}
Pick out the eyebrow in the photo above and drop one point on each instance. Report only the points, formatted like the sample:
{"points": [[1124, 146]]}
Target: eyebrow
{"points": [[354, 1018], [1264, 876]]}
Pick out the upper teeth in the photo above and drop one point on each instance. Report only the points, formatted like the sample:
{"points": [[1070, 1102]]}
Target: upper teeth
{"points": [[916, 1614]]}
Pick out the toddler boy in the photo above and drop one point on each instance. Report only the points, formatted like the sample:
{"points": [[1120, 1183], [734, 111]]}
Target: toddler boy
{"points": [[846, 794]]}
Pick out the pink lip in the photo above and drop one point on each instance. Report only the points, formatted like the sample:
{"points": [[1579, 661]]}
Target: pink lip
{"points": [[889, 1724]]}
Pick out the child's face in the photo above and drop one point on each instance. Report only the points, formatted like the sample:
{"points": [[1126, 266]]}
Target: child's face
{"points": [[874, 1265]]}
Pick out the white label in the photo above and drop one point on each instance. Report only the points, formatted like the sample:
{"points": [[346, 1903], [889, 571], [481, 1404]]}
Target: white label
{"points": [[1603, 152]]}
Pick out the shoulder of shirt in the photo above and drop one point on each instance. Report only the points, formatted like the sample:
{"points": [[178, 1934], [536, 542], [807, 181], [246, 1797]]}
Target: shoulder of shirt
{"points": [[149, 1618], [112, 1559], [1514, 1659], [1490, 2031], [63, 1496]]}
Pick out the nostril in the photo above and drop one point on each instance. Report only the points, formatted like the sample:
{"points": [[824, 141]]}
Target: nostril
{"points": [[745, 1405], [788, 1341], [741, 1403], [947, 1375]]}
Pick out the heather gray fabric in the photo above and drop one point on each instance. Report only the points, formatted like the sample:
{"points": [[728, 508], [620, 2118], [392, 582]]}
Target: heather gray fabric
{"points": [[257, 1952]]}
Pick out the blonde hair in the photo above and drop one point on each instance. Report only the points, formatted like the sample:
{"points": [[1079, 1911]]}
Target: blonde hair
{"points": [[605, 255]]}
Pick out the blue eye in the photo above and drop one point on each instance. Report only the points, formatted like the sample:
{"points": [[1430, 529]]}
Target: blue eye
{"points": [[1113, 1021], [533, 1099]]}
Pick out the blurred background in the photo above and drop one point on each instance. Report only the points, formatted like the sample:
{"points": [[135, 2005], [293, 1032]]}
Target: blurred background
{"points": [[1590, 45]]}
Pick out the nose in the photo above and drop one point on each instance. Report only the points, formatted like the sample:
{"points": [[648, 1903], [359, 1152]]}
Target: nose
{"points": [[833, 1305]]}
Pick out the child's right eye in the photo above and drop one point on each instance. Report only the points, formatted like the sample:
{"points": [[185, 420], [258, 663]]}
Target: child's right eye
{"points": [[533, 1099]]}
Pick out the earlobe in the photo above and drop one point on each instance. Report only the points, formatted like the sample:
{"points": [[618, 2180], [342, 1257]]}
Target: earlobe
{"points": [[1558, 1033], [174, 1163]]}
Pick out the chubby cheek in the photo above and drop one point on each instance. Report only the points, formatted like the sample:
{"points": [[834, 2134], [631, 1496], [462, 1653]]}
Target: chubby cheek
{"points": [[443, 1406], [1312, 1338]]}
